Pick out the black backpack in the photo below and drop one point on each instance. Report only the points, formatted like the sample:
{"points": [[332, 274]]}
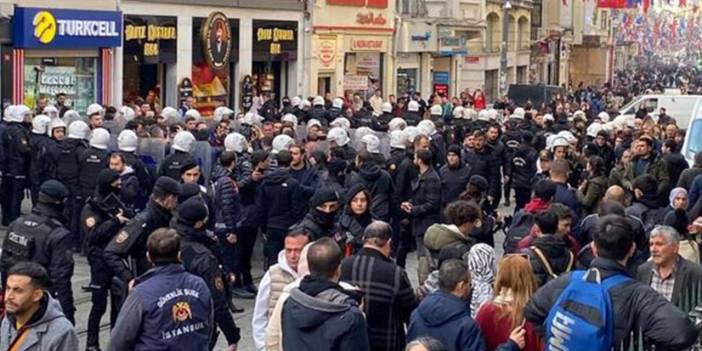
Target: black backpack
{"points": [[25, 238], [518, 231]]}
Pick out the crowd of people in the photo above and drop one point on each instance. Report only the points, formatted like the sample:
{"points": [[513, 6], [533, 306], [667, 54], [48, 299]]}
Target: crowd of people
{"points": [[341, 191]]}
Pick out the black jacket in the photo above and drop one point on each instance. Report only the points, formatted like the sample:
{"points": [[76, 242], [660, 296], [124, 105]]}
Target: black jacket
{"points": [[635, 305], [412, 118], [453, 182], [227, 202], [318, 113], [438, 149], [426, 202], [483, 163], [380, 185], [279, 201], [556, 253], [15, 143], [90, 163], [170, 167], [199, 257], [389, 298], [66, 163], [523, 166], [318, 224], [688, 175], [688, 276], [39, 168], [676, 165]]}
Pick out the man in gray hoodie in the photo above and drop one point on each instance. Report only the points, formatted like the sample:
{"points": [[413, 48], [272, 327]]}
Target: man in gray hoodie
{"points": [[34, 320]]}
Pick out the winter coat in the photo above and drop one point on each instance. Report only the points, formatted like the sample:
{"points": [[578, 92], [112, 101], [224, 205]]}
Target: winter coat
{"points": [[523, 166], [279, 201], [48, 329], [379, 184], [634, 305], [688, 176], [351, 228], [483, 163], [589, 196], [227, 202], [676, 163], [453, 182], [318, 224], [426, 202], [556, 252], [687, 275], [658, 168], [566, 195]]}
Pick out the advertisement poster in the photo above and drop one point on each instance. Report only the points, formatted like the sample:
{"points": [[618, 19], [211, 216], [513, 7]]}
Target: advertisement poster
{"points": [[210, 87]]}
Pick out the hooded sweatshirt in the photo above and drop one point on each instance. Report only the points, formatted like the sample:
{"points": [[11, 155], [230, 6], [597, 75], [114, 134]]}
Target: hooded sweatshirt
{"points": [[379, 184], [47, 329], [557, 254]]}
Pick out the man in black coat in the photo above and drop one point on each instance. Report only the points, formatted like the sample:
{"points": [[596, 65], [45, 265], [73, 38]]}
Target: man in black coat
{"points": [[522, 171], [454, 176], [377, 181], [636, 305], [688, 176], [319, 222], [502, 158], [182, 144], [15, 145], [389, 298], [674, 159], [549, 255], [424, 208], [483, 163]]}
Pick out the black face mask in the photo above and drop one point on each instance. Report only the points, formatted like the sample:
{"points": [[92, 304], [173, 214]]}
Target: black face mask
{"points": [[326, 217]]}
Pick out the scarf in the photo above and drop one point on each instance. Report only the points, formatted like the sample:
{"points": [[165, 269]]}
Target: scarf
{"points": [[481, 262], [505, 297], [536, 205], [674, 193]]}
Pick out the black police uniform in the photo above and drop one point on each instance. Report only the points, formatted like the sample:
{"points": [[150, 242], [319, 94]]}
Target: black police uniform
{"points": [[38, 169], [41, 237], [143, 174], [171, 165], [66, 158], [16, 146], [92, 161], [318, 113], [200, 256]]}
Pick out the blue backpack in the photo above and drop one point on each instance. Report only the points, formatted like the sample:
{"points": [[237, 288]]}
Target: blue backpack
{"points": [[583, 317]]}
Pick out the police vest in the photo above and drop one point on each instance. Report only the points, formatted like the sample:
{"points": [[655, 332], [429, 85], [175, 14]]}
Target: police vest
{"points": [[177, 308], [26, 240]]}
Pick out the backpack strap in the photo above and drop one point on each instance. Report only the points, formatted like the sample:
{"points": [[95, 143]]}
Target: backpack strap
{"points": [[609, 282], [571, 259], [544, 261]]}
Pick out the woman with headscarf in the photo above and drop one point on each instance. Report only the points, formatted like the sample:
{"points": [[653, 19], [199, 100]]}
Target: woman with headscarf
{"points": [[678, 200], [481, 262], [355, 218]]}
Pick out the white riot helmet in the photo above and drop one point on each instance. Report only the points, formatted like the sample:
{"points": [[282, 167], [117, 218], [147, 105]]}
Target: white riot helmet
{"points": [[458, 112], [338, 135], [372, 143], [397, 124], [341, 122], [128, 113], [361, 132], [251, 119], [100, 138], [51, 111], [549, 117], [236, 142], [193, 113], [338, 103], [519, 113], [386, 107], [20, 113], [127, 141], [484, 115], [426, 127], [55, 124], [411, 133], [436, 110], [71, 116], [318, 101], [604, 116], [313, 122], [295, 101], [78, 130], [470, 114], [40, 124], [290, 118], [95, 109], [183, 141], [559, 141], [593, 129], [170, 114], [493, 114], [398, 139], [7, 113], [305, 103], [221, 112], [569, 137], [413, 106], [281, 142]]}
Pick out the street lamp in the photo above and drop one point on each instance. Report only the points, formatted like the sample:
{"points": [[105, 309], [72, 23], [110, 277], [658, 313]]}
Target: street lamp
{"points": [[506, 6]]}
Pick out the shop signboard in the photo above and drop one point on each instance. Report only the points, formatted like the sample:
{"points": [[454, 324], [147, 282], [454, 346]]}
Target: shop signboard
{"points": [[420, 37], [42, 28], [453, 46], [441, 77], [326, 52], [216, 39], [274, 40], [441, 89], [150, 39], [355, 82], [369, 44]]}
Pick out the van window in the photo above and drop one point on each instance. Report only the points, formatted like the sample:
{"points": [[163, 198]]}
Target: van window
{"points": [[694, 144]]}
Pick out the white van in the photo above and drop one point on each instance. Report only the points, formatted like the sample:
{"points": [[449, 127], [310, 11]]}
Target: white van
{"points": [[679, 107], [693, 135]]}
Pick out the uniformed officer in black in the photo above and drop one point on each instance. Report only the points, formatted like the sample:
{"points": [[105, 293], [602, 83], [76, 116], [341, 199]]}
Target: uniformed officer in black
{"points": [[39, 140], [127, 143], [182, 145], [15, 143], [130, 243], [100, 224], [41, 237], [93, 160], [200, 256]]}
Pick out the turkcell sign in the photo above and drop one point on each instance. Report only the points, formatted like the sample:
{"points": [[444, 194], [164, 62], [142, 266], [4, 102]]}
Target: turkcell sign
{"points": [[39, 28]]}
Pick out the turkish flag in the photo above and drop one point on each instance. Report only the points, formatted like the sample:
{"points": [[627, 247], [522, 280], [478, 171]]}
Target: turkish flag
{"points": [[612, 4]]}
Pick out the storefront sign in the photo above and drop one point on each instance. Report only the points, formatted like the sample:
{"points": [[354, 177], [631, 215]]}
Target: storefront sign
{"points": [[355, 82], [441, 89], [56, 80], [371, 19], [453, 46], [418, 37], [66, 29], [367, 44], [376, 4], [367, 61], [274, 40], [441, 77], [327, 52], [216, 37], [424, 37], [152, 39], [472, 59]]}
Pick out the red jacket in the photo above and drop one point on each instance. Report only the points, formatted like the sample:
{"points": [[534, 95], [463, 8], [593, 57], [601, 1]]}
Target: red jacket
{"points": [[496, 330]]}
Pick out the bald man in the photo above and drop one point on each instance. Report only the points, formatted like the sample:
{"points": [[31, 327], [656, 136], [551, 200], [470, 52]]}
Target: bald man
{"points": [[617, 194]]}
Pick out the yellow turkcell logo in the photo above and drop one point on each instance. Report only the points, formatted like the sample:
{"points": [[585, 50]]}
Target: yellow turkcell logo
{"points": [[44, 26]]}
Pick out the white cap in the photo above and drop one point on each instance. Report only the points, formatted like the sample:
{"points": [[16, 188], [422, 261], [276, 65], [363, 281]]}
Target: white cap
{"points": [[313, 122], [338, 136], [386, 107], [318, 101], [341, 122], [193, 113], [94, 109], [559, 141], [222, 111], [56, 123], [372, 143], [40, 124], [183, 141], [397, 124], [413, 106], [604, 116], [51, 111], [289, 117], [100, 138], [127, 112], [436, 110], [18, 113], [78, 130], [236, 142], [484, 115], [519, 113], [470, 114], [169, 113], [281, 142], [426, 127], [295, 101], [338, 103], [593, 129], [398, 139], [411, 133], [305, 103], [127, 141]]}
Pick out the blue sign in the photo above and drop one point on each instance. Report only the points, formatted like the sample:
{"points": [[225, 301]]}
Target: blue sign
{"points": [[441, 77], [37, 28]]}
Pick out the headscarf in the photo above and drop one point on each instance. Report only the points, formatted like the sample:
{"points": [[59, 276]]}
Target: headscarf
{"points": [[481, 262], [674, 193]]}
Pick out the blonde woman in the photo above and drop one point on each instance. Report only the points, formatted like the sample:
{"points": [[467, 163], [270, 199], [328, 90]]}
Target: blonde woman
{"points": [[514, 285]]}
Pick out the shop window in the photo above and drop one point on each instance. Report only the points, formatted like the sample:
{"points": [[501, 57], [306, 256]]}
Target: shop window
{"points": [[74, 76], [406, 81], [368, 65]]}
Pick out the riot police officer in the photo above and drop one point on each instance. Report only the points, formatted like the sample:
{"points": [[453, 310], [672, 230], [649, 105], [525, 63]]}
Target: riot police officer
{"points": [[182, 145], [200, 256], [93, 160], [41, 237], [15, 143], [100, 223], [127, 144], [38, 142]]}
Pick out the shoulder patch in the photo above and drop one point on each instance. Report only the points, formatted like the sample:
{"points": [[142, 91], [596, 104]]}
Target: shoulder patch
{"points": [[90, 222], [393, 167], [219, 283], [122, 237]]}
